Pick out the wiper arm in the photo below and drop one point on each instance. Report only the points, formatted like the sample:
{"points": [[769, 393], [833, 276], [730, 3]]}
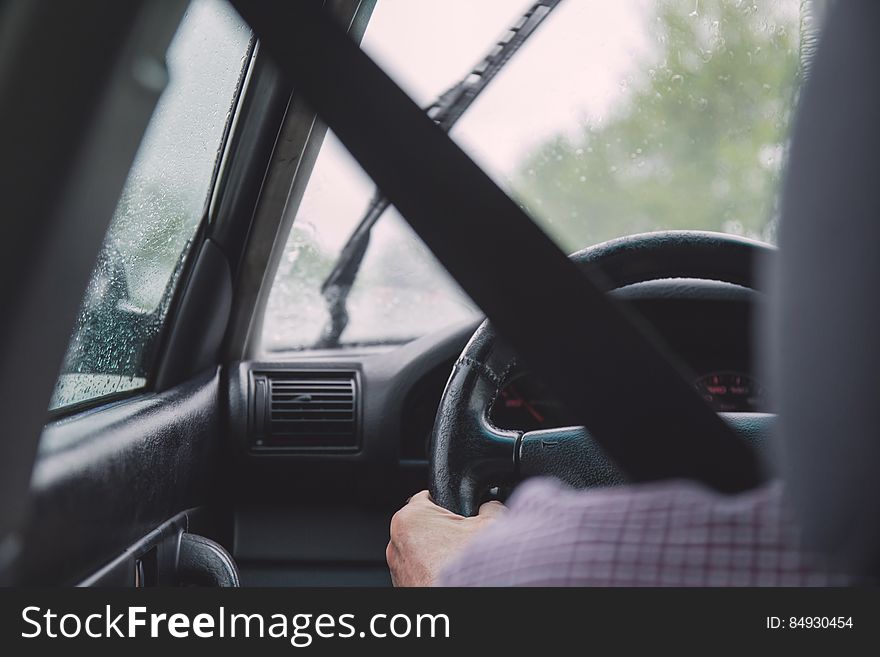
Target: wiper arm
{"points": [[445, 112]]}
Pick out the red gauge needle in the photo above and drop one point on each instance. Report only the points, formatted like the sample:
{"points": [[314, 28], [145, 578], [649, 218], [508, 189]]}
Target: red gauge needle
{"points": [[534, 413], [531, 409]]}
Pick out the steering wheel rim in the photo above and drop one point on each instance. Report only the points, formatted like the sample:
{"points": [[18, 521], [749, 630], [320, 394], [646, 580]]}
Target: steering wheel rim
{"points": [[468, 452]]}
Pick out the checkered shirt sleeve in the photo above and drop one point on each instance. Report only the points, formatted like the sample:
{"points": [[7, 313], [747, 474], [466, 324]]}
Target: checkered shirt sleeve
{"points": [[673, 533]]}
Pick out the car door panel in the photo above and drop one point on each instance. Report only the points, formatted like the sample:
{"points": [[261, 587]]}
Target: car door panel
{"points": [[106, 478]]}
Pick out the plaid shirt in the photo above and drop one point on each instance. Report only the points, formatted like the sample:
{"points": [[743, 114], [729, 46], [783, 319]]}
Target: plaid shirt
{"points": [[673, 533]]}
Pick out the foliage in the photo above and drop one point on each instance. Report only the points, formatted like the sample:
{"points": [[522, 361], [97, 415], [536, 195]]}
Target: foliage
{"points": [[698, 143]]}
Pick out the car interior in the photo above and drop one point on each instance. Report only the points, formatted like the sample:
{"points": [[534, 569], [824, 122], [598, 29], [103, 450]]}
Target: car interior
{"points": [[249, 262]]}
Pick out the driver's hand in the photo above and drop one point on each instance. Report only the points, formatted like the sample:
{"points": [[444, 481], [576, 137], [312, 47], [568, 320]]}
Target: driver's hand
{"points": [[425, 536]]}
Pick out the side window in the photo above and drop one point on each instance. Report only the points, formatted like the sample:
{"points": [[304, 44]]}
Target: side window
{"points": [[159, 211]]}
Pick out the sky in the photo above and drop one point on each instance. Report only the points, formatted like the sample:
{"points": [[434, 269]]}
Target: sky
{"points": [[574, 71], [571, 69], [574, 68], [579, 69]]}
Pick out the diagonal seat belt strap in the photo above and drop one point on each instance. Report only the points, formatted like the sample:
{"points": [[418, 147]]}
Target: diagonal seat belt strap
{"points": [[582, 343]]}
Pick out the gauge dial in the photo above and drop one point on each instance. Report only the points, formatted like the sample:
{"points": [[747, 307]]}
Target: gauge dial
{"points": [[732, 392], [525, 404]]}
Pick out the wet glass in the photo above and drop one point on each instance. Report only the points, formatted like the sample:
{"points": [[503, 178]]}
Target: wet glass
{"points": [[161, 206], [615, 118]]}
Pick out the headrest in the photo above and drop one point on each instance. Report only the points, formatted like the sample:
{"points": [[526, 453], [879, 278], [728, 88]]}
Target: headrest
{"points": [[825, 346]]}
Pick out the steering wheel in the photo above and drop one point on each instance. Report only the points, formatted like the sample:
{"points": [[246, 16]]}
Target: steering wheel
{"points": [[469, 454]]}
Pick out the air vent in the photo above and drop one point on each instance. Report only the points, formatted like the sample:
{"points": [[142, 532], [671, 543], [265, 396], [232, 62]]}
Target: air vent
{"points": [[305, 411]]}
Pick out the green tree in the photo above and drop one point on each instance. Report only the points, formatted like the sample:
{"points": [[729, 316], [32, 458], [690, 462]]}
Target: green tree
{"points": [[698, 143]]}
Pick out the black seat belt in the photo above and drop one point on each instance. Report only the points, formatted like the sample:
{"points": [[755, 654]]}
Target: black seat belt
{"points": [[592, 353]]}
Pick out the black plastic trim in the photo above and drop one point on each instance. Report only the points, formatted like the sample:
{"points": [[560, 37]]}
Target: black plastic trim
{"points": [[257, 81], [249, 152], [194, 338], [105, 478], [256, 437]]}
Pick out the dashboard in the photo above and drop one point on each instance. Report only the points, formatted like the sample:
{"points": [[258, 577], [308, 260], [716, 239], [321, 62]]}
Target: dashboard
{"points": [[385, 400], [706, 326], [328, 444]]}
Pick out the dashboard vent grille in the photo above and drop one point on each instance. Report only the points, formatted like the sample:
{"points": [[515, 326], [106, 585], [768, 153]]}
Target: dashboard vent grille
{"points": [[306, 410]]}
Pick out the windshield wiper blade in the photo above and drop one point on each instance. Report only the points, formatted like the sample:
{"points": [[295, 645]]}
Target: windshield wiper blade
{"points": [[445, 112]]}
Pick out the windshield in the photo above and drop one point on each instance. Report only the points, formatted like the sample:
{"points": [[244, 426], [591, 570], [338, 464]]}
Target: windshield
{"points": [[613, 119]]}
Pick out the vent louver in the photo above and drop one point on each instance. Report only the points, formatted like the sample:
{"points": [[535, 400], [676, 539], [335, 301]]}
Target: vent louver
{"points": [[305, 410]]}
